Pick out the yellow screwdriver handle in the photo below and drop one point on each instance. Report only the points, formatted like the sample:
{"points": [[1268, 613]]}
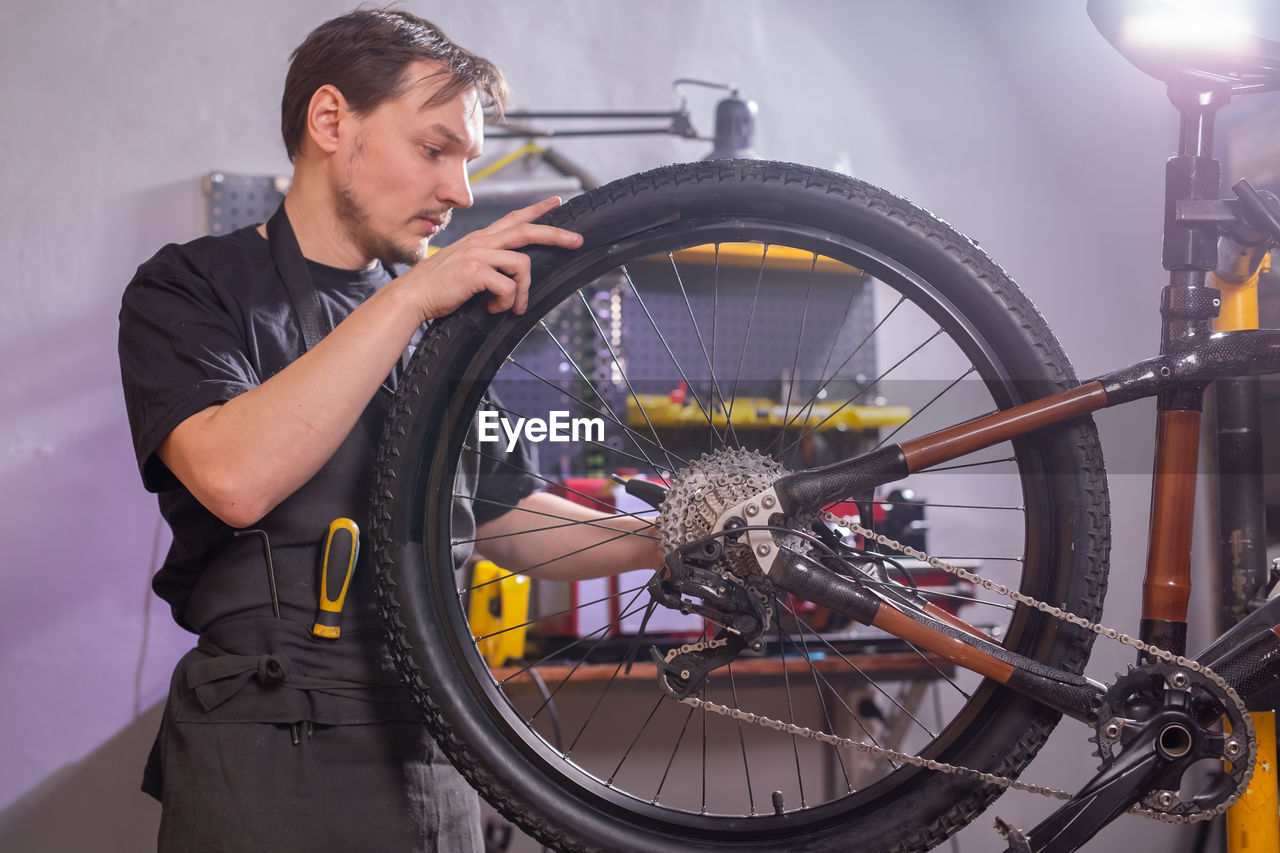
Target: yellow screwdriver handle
{"points": [[341, 548]]}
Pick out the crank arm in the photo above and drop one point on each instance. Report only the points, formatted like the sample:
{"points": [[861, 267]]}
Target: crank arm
{"points": [[1066, 693], [1138, 770]]}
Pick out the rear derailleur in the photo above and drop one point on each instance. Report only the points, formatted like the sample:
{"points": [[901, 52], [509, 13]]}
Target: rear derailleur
{"points": [[697, 581]]}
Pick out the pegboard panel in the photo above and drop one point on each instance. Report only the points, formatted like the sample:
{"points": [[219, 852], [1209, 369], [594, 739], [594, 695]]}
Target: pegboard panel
{"points": [[238, 201], [760, 329], [764, 312], [547, 381]]}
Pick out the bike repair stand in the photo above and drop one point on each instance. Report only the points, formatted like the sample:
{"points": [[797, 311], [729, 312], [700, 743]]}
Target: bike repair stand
{"points": [[1253, 824]]}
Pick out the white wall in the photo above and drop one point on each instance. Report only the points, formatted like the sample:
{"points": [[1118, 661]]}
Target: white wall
{"points": [[1013, 120]]}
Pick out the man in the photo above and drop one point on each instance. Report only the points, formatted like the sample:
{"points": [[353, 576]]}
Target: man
{"points": [[256, 369]]}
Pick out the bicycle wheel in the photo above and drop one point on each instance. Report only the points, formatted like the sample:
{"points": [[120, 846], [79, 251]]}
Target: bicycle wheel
{"points": [[720, 313]]}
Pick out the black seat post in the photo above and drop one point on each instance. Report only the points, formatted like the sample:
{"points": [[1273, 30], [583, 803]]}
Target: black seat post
{"points": [[1191, 247]]}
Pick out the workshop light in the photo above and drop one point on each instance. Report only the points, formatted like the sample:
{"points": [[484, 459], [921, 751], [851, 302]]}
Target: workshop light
{"points": [[1191, 25]]}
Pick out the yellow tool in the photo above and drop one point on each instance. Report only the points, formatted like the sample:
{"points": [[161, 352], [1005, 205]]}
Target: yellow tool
{"points": [[498, 612], [341, 548]]}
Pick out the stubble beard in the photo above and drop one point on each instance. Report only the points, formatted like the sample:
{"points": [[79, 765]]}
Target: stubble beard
{"points": [[371, 244]]}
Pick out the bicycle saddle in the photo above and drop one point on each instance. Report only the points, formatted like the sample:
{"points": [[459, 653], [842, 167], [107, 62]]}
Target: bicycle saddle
{"points": [[1184, 49]]}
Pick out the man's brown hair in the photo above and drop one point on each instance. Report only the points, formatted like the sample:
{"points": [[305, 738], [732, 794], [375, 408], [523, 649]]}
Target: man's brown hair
{"points": [[364, 54]]}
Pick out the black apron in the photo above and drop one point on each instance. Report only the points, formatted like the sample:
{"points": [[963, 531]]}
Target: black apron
{"points": [[272, 736]]}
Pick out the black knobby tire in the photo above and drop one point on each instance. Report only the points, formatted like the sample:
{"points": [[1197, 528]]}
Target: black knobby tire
{"points": [[1058, 473]]}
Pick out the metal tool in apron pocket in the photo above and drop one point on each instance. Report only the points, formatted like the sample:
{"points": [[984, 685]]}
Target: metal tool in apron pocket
{"points": [[275, 596]]}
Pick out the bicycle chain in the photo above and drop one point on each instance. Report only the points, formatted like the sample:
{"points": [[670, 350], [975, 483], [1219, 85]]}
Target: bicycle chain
{"points": [[989, 778]]}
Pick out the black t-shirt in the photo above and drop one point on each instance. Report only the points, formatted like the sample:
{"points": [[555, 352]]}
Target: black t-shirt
{"points": [[200, 324], [205, 322]]}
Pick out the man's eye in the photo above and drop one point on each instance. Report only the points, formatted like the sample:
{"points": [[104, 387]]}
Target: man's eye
{"points": [[431, 153]]}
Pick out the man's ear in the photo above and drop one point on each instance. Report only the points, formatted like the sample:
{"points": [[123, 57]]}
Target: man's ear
{"points": [[325, 115]]}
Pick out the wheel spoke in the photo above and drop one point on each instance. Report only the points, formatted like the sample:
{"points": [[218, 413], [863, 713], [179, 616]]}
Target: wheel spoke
{"points": [[742, 742], [940, 469], [825, 379], [592, 501], [703, 808], [565, 612], [746, 336], [863, 674], [560, 652], [625, 427], [811, 430], [932, 505], [675, 362], [670, 760], [783, 637], [795, 361], [715, 315], [923, 408], [711, 370], [609, 409], [635, 740], [831, 688], [938, 671], [576, 522], [591, 714], [803, 647], [622, 371]]}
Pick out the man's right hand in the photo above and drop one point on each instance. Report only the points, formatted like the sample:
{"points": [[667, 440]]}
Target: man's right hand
{"points": [[486, 261]]}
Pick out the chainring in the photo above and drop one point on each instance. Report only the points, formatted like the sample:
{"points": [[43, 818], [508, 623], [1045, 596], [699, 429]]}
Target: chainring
{"points": [[1143, 690]]}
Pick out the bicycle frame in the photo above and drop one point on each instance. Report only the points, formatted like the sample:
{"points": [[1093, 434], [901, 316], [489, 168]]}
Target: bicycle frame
{"points": [[1191, 356], [1166, 587]]}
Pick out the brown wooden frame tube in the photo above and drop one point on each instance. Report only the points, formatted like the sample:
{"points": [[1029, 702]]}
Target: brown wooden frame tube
{"points": [[813, 581], [806, 491], [1069, 694], [954, 442], [1166, 588], [952, 648]]}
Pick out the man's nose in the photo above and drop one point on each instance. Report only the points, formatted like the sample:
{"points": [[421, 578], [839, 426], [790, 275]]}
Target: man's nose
{"points": [[456, 189]]}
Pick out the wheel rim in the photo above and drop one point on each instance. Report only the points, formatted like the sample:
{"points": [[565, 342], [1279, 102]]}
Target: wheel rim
{"points": [[593, 778]]}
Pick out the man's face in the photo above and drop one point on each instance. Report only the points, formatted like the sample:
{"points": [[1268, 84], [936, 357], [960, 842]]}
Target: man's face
{"points": [[405, 167]]}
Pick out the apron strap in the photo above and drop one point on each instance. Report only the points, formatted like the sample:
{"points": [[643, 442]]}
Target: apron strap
{"points": [[293, 269]]}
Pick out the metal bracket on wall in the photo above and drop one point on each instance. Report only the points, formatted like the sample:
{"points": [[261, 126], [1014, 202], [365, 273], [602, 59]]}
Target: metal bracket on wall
{"points": [[238, 201]]}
